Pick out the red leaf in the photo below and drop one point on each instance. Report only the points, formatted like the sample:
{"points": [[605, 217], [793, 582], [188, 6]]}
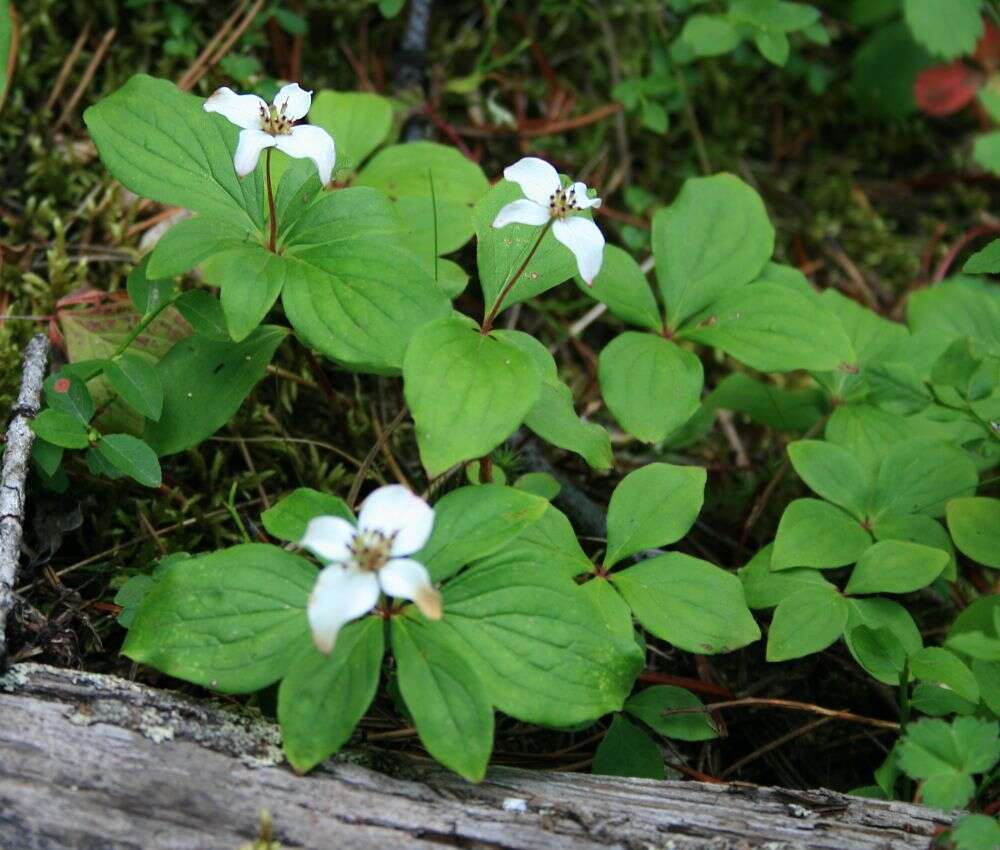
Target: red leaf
{"points": [[988, 50], [945, 89]]}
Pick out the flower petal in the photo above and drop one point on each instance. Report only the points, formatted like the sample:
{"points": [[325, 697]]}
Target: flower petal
{"points": [[339, 596], [582, 201], [394, 510], [522, 211], [407, 579], [537, 179], [251, 143], [312, 142], [295, 99], [329, 538], [244, 110], [586, 242]]}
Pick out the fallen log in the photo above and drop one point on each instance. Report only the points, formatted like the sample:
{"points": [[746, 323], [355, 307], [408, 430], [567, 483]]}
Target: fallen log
{"points": [[93, 761]]}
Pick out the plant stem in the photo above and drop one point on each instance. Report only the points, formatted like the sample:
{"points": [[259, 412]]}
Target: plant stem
{"points": [[491, 316], [139, 328], [273, 239]]}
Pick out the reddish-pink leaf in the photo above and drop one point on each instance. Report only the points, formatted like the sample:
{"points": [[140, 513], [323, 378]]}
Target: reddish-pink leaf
{"points": [[988, 50], [945, 89]]}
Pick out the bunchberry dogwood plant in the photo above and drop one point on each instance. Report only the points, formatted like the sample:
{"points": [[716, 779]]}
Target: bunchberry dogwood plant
{"points": [[368, 559]]}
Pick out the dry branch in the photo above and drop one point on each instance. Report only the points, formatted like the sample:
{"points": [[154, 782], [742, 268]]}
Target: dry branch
{"points": [[95, 761], [16, 457]]}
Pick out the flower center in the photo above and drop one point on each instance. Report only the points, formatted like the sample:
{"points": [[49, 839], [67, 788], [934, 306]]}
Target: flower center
{"points": [[562, 203], [273, 120], [371, 550]]}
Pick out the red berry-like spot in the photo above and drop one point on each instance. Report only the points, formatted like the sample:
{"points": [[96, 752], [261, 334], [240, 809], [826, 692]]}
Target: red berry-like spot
{"points": [[62, 385]]}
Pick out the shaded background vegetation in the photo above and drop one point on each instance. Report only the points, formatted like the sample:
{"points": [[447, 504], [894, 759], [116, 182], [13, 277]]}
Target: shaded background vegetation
{"points": [[862, 202]]}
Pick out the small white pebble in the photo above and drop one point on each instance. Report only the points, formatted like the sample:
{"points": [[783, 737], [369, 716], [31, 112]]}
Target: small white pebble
{"points": [[515, 804]]}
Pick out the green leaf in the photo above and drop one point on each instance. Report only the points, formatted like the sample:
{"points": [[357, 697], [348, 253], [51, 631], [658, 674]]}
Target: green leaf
{"points": [[773, 46], [651, 507], [944, 756], [920, 476], [47, 456], [474, 522], [250, 279], [713, 238], [947, 28], [709, 35], [287, 520], [192, 240], [976, 832], [986, 151], [147, 294], [934, 664], [987, 675], [8, 46], [778, 408], [130, 596], [832, 472], [918, 529], [67, 393], [160, 143], [651, 386], [765, 588], [614, 613], [895, 566], [445, 697], [322, 697], [650, 704], [772, 329], [549, 544], [500, 252], [984, 261], [867, 432], [233, 621], [132, 457], [537, 644], [938, 701], [623, 287], [468, 391], [813, 533], [358, 121], [877, 612], [884, 70], [61, 429], [204, 313], [404, 173], [878, 651], [553, 417], [138, 384], [627, 750], [540, 483], [974, 524], [204, 384], [806, 622], [688, 602]]}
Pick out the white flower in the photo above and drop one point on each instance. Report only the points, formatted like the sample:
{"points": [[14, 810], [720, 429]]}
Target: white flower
{"points": [[368, 559], [274, 126], [546, 200]]}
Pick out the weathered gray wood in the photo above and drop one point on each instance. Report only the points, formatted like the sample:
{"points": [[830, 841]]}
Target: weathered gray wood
{"points": [[89, 761], [16, 457]]}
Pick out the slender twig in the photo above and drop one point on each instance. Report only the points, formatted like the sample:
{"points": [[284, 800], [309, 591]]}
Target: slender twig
{"points": [[194, 72], [67, 66], [88, 75], [17, 452], [790, 705], [362, 473]]}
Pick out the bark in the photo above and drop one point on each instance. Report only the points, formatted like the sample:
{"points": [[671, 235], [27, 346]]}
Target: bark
{"points": [[16, 458], [91, 761]]}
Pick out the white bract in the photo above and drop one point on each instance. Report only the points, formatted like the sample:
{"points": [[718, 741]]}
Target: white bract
{"points": [[368, 559], [274, 126], [546, 201]]}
